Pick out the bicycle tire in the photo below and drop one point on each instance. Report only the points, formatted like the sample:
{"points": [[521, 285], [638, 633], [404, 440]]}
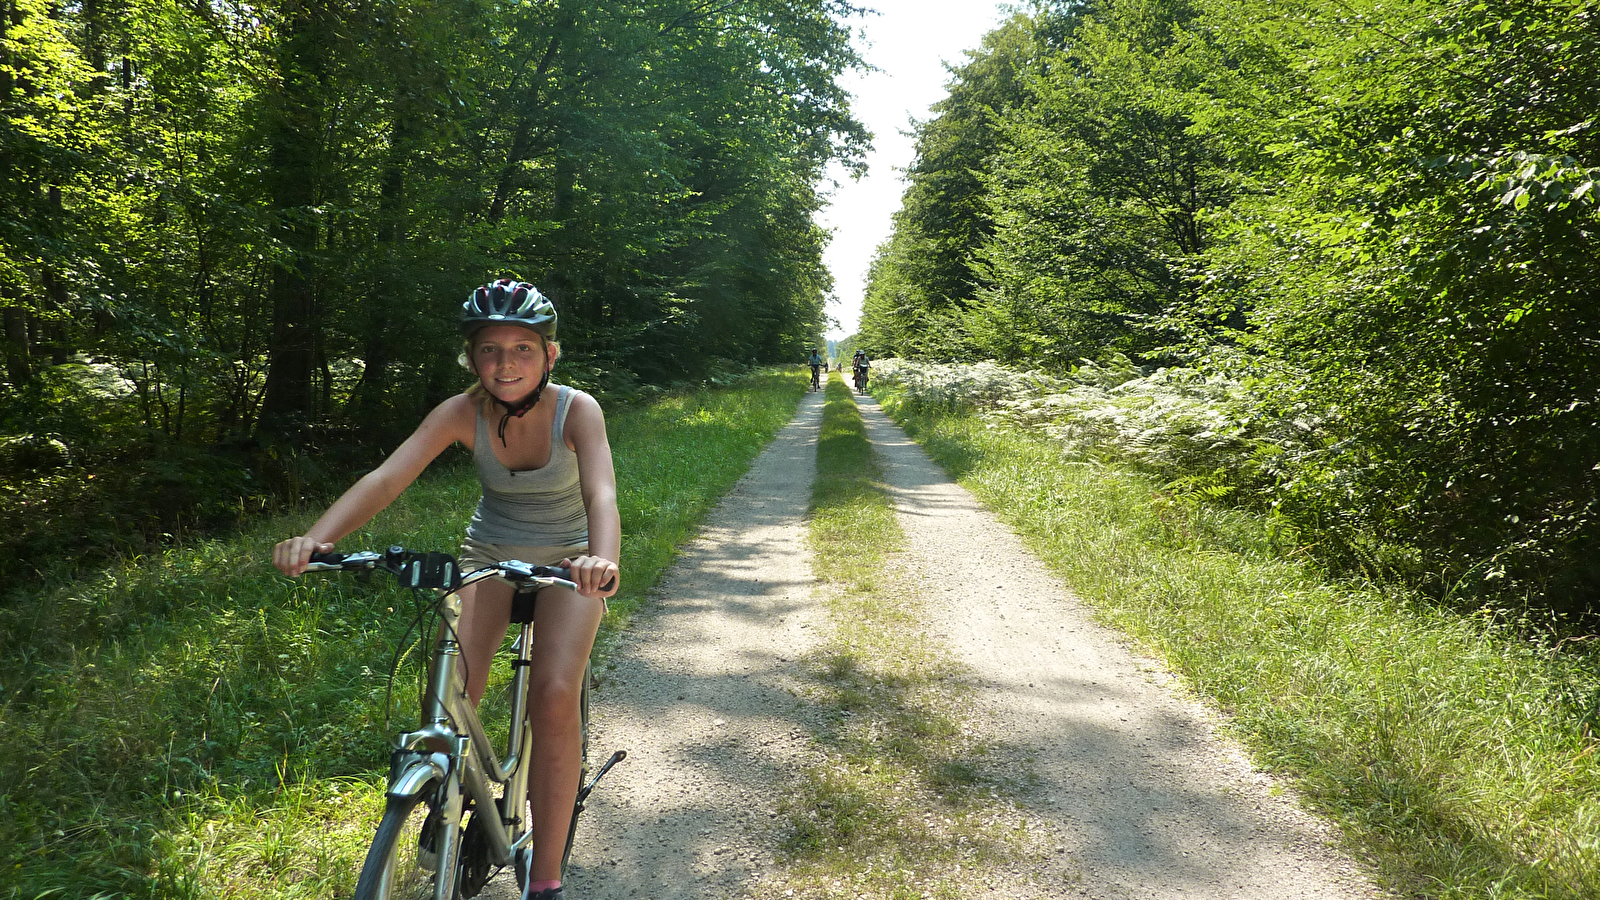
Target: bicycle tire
{"points": [[392, 870]]}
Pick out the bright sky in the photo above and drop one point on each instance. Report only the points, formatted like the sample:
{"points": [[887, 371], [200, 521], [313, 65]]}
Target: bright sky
{"points": [[909, 41]]}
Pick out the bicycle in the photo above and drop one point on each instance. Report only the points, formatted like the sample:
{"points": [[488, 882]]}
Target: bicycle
{"points": [[444, 831], [816, 379]]}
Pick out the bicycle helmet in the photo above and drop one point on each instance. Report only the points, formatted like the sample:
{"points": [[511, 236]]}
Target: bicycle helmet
{"points": [[509, 302]]}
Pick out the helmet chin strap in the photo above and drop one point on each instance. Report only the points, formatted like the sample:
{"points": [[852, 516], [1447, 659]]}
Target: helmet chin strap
{"points": [[520, 407]]}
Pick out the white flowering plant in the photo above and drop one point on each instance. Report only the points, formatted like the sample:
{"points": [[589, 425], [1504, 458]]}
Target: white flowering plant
{"points": [[1203, 432]]}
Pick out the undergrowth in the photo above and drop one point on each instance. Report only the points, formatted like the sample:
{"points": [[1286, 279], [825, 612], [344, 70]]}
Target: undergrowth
{"points": [[1476, 538]]}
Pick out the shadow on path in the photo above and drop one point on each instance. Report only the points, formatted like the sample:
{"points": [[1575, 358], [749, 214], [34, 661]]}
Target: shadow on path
{"points": [[1103, 747]]}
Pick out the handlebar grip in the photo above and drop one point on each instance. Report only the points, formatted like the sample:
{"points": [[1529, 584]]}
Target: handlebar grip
{"points": [[328, 559], [565, 574], [561, 572]]}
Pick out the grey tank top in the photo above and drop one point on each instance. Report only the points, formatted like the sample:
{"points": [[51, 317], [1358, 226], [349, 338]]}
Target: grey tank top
{"points": [[534, 507]]}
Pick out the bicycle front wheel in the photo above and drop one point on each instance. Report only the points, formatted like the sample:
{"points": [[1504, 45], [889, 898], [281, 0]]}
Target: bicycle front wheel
{"points": [[405, 858]]}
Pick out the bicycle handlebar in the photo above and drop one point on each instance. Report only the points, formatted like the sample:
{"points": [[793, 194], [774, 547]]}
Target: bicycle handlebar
{"points": [[419, 569]]}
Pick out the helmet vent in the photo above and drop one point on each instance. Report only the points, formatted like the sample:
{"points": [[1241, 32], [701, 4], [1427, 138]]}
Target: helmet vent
{"points": [[509, 301]]}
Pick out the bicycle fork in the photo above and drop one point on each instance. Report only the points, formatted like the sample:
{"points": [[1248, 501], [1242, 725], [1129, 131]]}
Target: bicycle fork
{"points": [[411, 772], [435, 754]]}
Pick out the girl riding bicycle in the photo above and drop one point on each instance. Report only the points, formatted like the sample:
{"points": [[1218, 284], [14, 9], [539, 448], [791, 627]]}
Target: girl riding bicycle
{"points": [[549, 498]]}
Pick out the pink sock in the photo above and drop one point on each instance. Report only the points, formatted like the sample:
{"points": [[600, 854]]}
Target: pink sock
{"points": [[535, 887]]}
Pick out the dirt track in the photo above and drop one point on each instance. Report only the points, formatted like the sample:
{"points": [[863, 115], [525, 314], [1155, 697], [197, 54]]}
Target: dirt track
{"points": [[1139, 796]]}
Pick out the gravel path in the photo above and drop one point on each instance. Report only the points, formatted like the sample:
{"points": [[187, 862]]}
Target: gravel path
{"points": [[1140, 797]]}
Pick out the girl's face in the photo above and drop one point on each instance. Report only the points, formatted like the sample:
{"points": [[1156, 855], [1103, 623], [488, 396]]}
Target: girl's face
{"points": [[510, 360]]}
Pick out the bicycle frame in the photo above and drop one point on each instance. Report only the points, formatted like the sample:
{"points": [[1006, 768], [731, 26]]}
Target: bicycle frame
{"points": [[415, 765], [449, 758]]}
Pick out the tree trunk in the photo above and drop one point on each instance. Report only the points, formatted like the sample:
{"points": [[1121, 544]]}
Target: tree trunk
{"points": [[371, 393], [60, 339], [19, 370], [530, 107], [14, 316], [295, 120]]}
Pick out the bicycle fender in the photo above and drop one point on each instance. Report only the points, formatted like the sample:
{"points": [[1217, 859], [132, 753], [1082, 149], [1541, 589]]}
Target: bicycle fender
{"points": [[418, 773]]}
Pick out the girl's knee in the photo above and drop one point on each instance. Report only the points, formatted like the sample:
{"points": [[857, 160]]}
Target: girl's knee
{"points": [[554, 702]]}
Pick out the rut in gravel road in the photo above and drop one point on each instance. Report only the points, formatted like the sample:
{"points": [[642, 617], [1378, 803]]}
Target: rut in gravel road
{"points": [[1137, 794]]}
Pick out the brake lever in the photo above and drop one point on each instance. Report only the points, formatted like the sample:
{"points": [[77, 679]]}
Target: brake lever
{"points": [[542, 575], [333, 562]]}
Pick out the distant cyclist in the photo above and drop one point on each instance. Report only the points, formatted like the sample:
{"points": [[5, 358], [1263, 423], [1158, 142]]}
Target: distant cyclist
{"points": [[816, 369], [860, 365]]}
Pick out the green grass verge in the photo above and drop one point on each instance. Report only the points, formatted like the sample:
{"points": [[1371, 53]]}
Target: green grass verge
{"points": [[1456, 753], [901, 807], [195, 725]]}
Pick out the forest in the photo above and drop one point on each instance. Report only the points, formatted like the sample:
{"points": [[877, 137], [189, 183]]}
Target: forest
{"points": [[1373, 222], [234, 237]]}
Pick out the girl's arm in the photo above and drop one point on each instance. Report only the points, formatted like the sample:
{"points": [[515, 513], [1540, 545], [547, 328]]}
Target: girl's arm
{"points": [[586, 428], [450, 421]]}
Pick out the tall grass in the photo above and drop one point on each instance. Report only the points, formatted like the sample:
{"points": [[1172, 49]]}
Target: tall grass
{"points": [[1457, 752], [194, 725]]}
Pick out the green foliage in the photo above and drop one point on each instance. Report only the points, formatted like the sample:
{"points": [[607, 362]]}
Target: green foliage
{"points": [[1429, 305], [1105, 189], [1379, 217], [244, 232], [923, 278]]}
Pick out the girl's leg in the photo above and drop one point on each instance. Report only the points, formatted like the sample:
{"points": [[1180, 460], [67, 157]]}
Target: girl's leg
{"points": [[485, 614], [563, 636]]}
